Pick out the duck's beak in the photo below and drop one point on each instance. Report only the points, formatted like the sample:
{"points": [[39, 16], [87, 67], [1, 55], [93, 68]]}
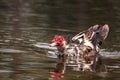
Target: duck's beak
{"points": [[53, 44]]}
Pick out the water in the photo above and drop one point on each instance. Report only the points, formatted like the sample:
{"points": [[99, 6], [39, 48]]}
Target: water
{"points": [[24, 46]]}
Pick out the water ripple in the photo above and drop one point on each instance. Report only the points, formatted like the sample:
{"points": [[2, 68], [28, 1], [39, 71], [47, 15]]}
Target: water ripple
{"points": [[44, 46], [112, 55], [6, 71], [3, 50]]}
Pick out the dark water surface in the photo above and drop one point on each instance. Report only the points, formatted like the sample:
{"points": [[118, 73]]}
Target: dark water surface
{"points": [[27, 29]]}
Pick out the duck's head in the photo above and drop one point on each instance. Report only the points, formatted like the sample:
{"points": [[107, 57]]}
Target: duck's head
{"points": [[58, 41]]}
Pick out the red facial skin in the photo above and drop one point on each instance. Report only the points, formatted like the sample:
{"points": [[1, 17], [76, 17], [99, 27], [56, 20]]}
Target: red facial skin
{"points": [[58, 40]]}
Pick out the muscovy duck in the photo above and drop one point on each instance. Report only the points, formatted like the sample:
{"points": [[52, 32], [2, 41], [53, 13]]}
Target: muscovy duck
{"points": [[84, 48]]}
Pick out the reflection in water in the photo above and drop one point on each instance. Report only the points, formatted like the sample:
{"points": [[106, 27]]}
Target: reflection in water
{"points": [[22, 57]]}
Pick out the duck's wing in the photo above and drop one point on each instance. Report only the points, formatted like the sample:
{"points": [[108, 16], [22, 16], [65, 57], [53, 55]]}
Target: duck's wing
{"points": [[79, 35], [90, 32], [86, 34], [100, 35], [104, 31], [94, 28], [96, 34]]}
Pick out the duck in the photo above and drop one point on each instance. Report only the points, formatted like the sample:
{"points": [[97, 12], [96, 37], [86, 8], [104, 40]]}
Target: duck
{"points": [[83, 47]]}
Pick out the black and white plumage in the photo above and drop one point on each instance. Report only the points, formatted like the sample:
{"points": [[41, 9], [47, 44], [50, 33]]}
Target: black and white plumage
{"points": [[82, 49]]}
